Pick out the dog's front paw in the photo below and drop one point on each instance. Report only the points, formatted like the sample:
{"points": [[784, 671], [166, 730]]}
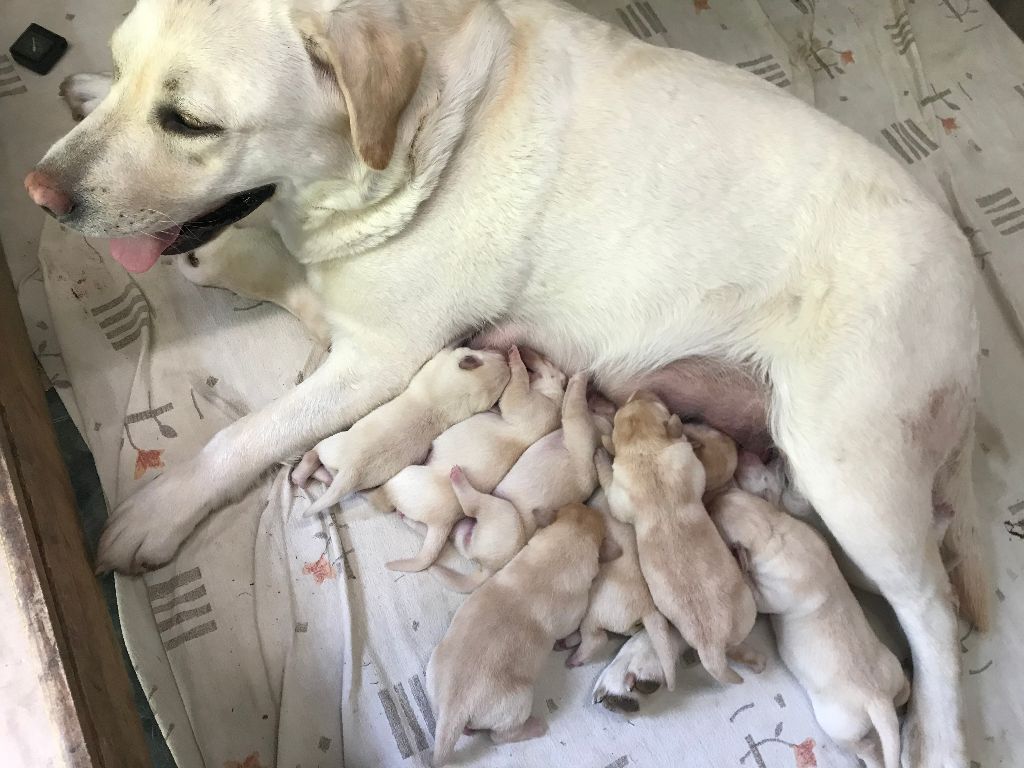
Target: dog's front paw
{"points": [[83, 92], [634, 670], [147, 528]]}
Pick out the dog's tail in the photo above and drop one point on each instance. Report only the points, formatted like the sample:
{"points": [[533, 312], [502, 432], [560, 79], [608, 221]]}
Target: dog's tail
{"points": [[961, 546], [716, 662], [446, 734], [433, 543], [665, 649], [887, 725], [456, 581]]}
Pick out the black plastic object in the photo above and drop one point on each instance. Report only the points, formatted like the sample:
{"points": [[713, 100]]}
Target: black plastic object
{"points": [[38, 49]]}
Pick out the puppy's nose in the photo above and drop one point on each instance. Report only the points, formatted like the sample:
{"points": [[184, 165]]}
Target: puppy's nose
{"points": [[45, 192]]}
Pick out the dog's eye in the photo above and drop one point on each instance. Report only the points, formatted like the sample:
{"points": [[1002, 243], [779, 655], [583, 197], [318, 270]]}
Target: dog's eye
{"points": [[173, 121]]}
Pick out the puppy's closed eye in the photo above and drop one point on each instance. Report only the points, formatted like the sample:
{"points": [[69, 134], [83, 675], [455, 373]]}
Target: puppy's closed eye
{"points": [[470, 363]]}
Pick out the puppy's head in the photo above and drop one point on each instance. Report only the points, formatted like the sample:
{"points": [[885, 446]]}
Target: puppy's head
{"points": [[476, 377], [545, 376], [644, 419], [214, 104], [758, 478]]}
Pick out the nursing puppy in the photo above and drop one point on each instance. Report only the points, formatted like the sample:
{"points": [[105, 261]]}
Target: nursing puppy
{"points": [[717, 454], [621, 602], [854, 682], [481, 675], [485, 446], [490, 535], [559, 468], [451, 387], [656, 484]]}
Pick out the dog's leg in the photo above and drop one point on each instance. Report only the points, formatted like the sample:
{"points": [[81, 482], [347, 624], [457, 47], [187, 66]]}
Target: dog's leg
{"points": [[146, 529], [634, 670], [877, 502], [84, 92]]}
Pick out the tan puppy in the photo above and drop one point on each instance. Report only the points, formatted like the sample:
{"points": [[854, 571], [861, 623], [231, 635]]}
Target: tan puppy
{"points": [[620, 601], [449, 388], [490, 535], [485, 446], [481, 675], [717, 453], [559, 468], [854, 682], [656, 484]]}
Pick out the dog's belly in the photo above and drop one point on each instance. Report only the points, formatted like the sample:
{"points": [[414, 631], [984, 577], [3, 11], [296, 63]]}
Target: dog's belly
{"points": [[729, 397]]}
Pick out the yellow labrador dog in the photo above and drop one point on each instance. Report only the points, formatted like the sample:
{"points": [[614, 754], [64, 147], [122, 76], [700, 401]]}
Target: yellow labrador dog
{"points": [[444, 166]]}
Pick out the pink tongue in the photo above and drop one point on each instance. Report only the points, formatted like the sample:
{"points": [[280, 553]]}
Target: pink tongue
{"points": [[137, 254]]}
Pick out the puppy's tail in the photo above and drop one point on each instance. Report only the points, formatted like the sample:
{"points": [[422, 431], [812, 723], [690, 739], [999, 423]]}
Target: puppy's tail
{"points": [[962, 548], [433, 543], [665, 649], [446, 734], [887, 725], [336, 491], [456, 581], [716, 662]]}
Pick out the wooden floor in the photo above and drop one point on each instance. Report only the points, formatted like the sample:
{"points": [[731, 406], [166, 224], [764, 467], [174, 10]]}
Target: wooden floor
{"points": [[65, 698]]}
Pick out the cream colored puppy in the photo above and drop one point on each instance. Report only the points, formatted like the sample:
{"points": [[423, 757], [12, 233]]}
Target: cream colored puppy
{"points": [[451, 387], [481, 675], [854, 682], [559, 468], [656, 484], [621, 602], [253, 262], [717, 453], [490, 535], [485, 446]]}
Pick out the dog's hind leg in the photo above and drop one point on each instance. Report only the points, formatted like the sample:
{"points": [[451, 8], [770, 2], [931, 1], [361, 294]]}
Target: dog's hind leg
{"points": [[875, 497]]}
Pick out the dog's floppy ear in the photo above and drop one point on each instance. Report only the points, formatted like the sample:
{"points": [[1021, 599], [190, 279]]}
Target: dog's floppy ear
{"points": [[675, 427], [377, 65]]}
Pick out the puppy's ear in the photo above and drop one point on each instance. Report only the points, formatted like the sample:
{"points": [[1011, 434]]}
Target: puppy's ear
{"points": [[376, 64], [606, 441], [609, 551], [675, 427]]}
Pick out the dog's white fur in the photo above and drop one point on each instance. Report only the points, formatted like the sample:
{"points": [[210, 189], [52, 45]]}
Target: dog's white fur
{"points": [[494, 536], [451, 387], [602, 198], [854, 682], [481, 675], [485, 446], [656, 484]]}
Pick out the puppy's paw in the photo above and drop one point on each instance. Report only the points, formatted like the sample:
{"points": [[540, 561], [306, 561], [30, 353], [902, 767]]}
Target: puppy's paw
{"points": [[83, 92], [567, 642]]}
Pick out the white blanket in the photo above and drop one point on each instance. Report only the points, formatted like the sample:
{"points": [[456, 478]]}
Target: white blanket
{"points": [[278, 640]]}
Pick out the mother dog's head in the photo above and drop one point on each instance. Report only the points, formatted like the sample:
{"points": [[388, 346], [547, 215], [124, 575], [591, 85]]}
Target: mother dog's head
{"points": [[214, 103]]}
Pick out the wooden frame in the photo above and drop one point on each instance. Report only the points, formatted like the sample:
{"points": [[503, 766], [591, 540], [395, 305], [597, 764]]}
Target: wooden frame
{"points": [[84, 713]]}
